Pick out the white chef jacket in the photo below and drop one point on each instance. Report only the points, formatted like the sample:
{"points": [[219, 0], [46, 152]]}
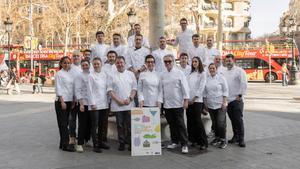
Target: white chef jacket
{"points": [[64, 85], [211, 54], [122, 83], [75, 71], [99, 50], [237, 82], [199, 52], [184, 39], [97, 90], [148, 88], [197, 83], [186, 71], [136, 57], [159, 58], [109, 69], [215, 89], [121, 50], [131, 42], [81, 83], [174, 89]]}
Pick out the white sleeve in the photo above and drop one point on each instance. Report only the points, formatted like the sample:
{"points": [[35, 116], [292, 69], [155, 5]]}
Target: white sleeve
{"points": [[78, 87], [225, 89], [134, 82], [243, 80], [160, 91], [90, 95], [140, 89], [184, 86], [58, 84], [109, 83]]}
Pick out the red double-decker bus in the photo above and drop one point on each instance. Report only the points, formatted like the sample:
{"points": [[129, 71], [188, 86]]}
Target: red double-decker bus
{"points": [[261, 59], [46, 62]]}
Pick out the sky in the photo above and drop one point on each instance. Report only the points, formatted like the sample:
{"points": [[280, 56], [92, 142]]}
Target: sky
{"points": [[265, 15]]}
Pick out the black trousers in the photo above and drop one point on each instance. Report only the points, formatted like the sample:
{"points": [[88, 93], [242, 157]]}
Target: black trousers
{"points": [[213, 125], [175, 120], [218, 117], [195, 127], [97, 126], [84, 126], [73, 119], [123, 119], [235, 113], [63, 121], [105, 125]]}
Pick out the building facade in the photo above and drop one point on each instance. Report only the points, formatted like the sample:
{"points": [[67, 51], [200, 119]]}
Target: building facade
{"points": [[203, 16], [294, 12]]}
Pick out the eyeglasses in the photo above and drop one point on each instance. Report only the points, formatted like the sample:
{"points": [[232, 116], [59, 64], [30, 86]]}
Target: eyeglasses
{"points": [[74, 56], [167, 61]]}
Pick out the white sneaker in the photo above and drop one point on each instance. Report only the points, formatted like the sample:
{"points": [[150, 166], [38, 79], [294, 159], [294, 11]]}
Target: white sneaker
{"points": [[185, 149], [79, 148], [211, 134], [172, 146], [88, 144]]}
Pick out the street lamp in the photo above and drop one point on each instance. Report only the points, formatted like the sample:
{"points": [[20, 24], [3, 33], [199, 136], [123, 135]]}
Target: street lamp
{"points": [[8, 28], [289, 29], [131, 20]]}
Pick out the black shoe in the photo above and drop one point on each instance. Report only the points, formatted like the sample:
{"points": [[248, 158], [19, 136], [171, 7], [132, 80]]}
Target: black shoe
{"points": [[242, 144], [121, 147], [97, 150], [104, 146], [233, 140], [223, 144], [69, 148], [215, 142]]}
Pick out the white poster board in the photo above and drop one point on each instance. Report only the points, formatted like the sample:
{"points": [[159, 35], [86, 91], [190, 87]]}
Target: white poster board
{"points": [[145, 131]]}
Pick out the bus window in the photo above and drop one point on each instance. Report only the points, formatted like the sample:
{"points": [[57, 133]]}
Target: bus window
{"points": [[245, 63], [260, 64]]}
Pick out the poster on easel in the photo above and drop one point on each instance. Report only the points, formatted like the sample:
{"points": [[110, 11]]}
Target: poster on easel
{"points": [[145, 131]]}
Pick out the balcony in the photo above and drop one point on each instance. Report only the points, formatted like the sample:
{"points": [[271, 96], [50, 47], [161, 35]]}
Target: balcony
{"points": [[210, 25], [207, 7]]}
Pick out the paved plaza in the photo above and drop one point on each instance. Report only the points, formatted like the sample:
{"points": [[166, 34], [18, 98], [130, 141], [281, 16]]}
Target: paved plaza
{"points": [[29, 137]]}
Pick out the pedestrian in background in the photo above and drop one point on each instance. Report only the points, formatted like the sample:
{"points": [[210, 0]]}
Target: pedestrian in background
{"points": [[64, 89], [13, 82], [285, 73]]}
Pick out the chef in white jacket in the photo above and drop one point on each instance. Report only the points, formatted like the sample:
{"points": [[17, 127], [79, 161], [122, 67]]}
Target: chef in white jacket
{"points": [[196, 81], [174, 93], [122, 90], [237, 82], [84, 122], [97, 98], [148, 85], [64, 89], [215, 96]]}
